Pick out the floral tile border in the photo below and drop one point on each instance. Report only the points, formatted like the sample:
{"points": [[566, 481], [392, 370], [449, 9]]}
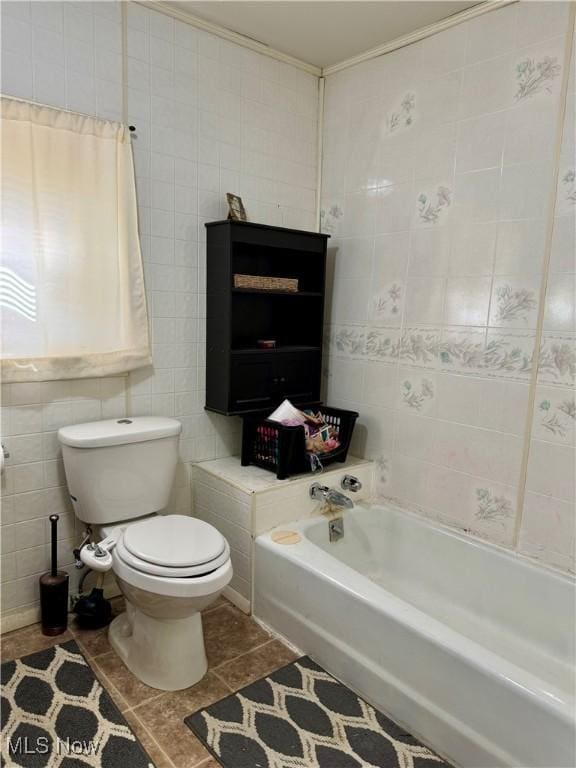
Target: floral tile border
{"points": [[420, 347], [382, 344], [509, 354], [488, 352], [463, 350], [347, 341], [471, 351]]}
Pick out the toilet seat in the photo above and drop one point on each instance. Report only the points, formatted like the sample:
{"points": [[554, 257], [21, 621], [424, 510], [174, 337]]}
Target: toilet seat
{"points": [[169, 571], [173, 546], [199, 586], [175, 541], [165, 580]]}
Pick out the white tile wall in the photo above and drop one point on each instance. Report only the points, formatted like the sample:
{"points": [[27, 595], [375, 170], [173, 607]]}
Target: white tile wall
{"points": [[548, 527], [211, 117], [437, 176]]}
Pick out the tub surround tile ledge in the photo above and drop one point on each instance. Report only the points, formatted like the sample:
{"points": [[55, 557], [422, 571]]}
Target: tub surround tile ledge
{"points": [[243, 502]]}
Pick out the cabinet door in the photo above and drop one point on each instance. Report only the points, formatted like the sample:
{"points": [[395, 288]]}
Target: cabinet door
{"points": [[296, 377], [250, 383]]}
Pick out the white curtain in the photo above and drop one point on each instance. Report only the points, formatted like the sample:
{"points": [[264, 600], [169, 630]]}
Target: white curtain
{"points": [[72, 300]]}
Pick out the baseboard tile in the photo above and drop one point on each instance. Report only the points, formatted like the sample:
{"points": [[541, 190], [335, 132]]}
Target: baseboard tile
{"points": [[238, 600], [21, 619]]}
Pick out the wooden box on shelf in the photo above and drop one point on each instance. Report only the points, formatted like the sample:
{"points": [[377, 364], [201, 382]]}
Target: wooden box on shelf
{"points": [[242, 378], [260, 283]]}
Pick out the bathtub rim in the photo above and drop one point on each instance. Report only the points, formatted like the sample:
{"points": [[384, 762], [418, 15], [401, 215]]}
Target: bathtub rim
{"points": [[465, 537]]}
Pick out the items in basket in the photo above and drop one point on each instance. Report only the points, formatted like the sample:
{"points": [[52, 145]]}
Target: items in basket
{"points": [[320, 437], [266, 444]]}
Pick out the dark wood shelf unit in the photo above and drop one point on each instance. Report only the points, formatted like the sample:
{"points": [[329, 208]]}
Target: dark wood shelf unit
{"points": [[240, 377]]}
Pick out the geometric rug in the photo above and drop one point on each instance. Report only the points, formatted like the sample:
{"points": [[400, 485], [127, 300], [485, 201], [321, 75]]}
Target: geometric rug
{"points": [[302, 717], [54, 712]]}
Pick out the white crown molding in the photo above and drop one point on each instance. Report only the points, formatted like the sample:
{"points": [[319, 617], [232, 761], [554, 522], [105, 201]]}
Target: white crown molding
{"points": [[419, 34], [266, 50], [227, 34]]}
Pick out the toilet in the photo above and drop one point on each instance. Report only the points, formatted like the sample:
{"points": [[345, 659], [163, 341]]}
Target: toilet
{"points": [[168, 567]]}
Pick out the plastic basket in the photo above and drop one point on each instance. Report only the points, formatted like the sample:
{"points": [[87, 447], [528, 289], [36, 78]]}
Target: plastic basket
{"points": [[282, 449]]}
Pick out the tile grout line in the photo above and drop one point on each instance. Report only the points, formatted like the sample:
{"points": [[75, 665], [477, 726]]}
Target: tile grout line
{"points": [[91, 659], [214, 608], [241, 655], [205, 761], [131, 710], [109, 682], [217, 676], [528, 428], [151, 735]]}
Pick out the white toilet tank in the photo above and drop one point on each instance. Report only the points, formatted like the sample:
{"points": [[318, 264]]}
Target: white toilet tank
{"points": [[120, 469]]}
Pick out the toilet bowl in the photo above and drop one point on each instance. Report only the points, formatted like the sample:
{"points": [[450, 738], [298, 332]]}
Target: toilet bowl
{"points": [[169, 568]]}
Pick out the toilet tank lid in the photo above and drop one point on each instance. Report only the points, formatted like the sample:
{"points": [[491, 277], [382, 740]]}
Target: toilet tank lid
{"points": [[138, 429]]}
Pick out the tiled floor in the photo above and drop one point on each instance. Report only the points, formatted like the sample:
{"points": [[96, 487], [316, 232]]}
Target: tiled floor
{"points": [[239, 652]]}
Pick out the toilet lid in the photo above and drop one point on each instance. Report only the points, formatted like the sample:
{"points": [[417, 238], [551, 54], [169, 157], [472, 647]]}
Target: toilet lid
{"points": [[174, 541], [194, 571]]}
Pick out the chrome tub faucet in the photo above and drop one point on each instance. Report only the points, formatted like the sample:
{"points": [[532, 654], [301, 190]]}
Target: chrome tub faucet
{"points": [[330, 496]]}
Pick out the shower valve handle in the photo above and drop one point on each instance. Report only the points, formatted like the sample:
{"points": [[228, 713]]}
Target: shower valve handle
{"points": [[351, 483]]}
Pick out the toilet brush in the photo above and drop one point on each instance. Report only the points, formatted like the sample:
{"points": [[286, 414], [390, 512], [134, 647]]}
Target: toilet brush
{"points": [[54, 589]]}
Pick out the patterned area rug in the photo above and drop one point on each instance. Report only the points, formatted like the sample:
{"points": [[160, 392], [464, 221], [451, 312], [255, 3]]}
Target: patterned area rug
{"points": [[301, 717], [55, 714]]}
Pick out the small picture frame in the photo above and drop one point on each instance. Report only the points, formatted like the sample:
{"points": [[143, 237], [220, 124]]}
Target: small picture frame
{"points": [[236, 209]]}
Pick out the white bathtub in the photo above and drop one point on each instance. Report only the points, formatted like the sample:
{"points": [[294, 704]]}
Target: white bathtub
{"points": [[469, 647]]}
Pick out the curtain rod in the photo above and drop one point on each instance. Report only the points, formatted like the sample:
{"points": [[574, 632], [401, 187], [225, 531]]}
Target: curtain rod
{"points": [[131, 128]]}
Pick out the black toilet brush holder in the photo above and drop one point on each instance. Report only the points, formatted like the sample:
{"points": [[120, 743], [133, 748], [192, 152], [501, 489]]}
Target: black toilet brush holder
{"points": [[54, 590]]}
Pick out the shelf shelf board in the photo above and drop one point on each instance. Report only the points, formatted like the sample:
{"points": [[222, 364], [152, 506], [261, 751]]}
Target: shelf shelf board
{"points": [[261, 292], [274, 350], [232, 223]]}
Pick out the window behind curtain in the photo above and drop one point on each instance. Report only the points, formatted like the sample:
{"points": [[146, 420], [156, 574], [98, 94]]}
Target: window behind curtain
{"points": [[72, 300]]}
